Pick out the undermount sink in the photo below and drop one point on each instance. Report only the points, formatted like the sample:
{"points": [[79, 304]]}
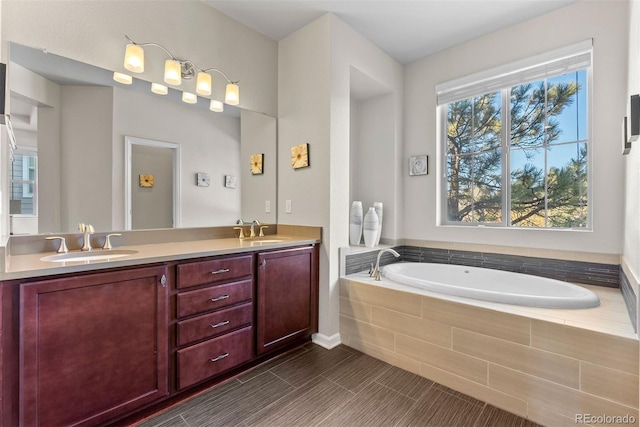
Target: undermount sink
{"points": [[100, 255], [259, 242]]}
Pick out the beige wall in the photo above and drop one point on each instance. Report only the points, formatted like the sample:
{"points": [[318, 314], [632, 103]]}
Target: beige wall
{"points": [[604, 21]]}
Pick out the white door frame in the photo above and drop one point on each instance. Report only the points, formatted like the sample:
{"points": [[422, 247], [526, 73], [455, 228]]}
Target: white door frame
{"points": [[129, 141]]}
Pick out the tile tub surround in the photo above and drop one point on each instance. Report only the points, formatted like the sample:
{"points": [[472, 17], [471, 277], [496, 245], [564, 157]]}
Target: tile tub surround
{"points": [[629, 298], [575, 271], [544, 369]]}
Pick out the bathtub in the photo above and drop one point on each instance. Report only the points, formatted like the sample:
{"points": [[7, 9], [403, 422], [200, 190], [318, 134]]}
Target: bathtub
{"points": [[491, 285]]}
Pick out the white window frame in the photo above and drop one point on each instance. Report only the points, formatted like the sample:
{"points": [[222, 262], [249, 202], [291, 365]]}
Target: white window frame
{"points": [[33, 195], [501, 79]]}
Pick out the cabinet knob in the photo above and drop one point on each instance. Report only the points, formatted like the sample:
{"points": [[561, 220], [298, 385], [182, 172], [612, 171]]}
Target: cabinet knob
{"points": [[222, 356], [220, 298], [163, 280]]}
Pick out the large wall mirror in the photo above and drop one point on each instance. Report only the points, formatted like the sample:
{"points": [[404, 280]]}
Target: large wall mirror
{"points": [[74, 161]]}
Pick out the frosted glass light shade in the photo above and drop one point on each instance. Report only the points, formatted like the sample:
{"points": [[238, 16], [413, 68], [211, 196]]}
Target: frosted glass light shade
{"points": [[232, 95], [189, 98], [216, 106], [172, 72], [134, 58], [125, 79], [159, 89], [203, 84]]}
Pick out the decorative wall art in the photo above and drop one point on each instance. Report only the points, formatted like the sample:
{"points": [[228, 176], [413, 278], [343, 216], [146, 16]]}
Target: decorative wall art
{"points": [[418, 165], [256, 164], [202, 179], [230, 181], [146, 180], [626, 143], [300, 156]]}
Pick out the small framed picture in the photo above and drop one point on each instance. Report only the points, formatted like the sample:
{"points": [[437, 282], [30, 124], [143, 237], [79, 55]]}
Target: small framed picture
{"points": [[418, 165], [256, 164], [300, 156]]}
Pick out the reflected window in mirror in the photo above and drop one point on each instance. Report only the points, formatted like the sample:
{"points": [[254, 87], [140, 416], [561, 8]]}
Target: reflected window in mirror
{"points": [[24, 182]]}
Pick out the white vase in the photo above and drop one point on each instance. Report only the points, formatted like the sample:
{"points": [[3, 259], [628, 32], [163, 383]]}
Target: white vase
{"points": [[370, 228], [378, 207], [355, 223]]}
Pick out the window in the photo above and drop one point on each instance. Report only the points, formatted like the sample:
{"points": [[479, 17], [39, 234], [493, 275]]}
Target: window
{"points": [[517, 155], [24, 183]]}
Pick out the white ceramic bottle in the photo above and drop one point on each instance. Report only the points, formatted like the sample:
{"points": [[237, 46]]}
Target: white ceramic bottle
{"points": [[355, 223], [378, 207], [370, 228]]}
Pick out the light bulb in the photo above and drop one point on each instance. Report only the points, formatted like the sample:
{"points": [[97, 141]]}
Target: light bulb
{"points": [[134, 58], [232, 95], [125, 79], [203, 84], [216, 106], [172, 72], [159, 89], [189, 98]]}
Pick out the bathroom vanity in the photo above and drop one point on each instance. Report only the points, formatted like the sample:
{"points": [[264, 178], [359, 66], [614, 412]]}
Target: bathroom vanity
{"points": [[90, 343]]}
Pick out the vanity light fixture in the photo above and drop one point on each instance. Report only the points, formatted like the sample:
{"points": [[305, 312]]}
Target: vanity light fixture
{"points": [[159, 89], [189, 98], [175, 70], [125, 79], [216, 106]]}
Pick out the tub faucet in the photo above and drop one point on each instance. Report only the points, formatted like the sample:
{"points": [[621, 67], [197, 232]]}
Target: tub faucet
{"points": [[376, 270], [87, 230]]}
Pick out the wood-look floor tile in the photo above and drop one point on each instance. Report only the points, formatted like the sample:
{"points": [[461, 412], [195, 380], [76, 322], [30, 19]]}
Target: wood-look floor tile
{"points": [[357, 372], [214, 392], [437, 408], [307, 366], [404, 382], [272, 364], [529, 423], [376, 405], [305, 406], [237, 405], [459, 395], [176, 421], [492, 417]]}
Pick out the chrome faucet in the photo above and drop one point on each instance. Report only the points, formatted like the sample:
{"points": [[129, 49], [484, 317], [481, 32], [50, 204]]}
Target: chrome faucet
{"points": [[87, 230], [376, 270], [253, 230]]}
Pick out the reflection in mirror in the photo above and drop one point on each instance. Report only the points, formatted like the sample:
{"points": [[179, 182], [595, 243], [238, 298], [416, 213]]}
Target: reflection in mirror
{"points": [[71, 121]]}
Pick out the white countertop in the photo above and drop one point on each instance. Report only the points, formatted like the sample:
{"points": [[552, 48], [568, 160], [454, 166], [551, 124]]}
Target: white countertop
{"points": [[31, 265]]}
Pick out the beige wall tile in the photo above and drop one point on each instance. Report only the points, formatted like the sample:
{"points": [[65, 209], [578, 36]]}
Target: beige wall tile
{"points": [[343, 287], [559, 369], [546, 417], [416, 327], [355, 309], [442, 358], [385, 355], [609, 383], [391, 299], [558, 398], [353, 329], [484, 321], [473, 389], [594, 347]]}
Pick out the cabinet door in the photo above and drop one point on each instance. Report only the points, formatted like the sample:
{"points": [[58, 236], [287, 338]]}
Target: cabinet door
{"points": [[93, 347], [287, 296]]}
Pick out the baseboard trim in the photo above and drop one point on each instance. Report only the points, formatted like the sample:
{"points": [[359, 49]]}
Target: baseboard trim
{"points": [[325, 341]]}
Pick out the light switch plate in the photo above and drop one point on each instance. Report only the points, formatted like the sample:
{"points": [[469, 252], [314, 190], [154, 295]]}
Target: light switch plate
{"points": [[202, 179]]}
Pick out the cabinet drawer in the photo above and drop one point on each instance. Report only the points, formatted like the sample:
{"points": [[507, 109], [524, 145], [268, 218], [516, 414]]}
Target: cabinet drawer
{"points": [[214, 297], [210, 325], [204, 360], [215, 270]]}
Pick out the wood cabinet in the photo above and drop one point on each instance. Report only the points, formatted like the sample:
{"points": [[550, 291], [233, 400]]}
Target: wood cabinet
{"points": [[93, 346], [287, 296], [215, 320]]}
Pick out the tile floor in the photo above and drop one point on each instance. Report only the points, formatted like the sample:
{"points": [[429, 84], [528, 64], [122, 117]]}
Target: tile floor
{"points": [[341, 387]]}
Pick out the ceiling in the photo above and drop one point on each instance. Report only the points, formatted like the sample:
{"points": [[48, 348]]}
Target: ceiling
{"points": [[407, 30]]}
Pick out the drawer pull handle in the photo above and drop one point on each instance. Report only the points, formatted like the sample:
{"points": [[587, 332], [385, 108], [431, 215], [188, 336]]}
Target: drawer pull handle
{"points": [[222, 270], [220, 298], [222, 356], [217, 325]]}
